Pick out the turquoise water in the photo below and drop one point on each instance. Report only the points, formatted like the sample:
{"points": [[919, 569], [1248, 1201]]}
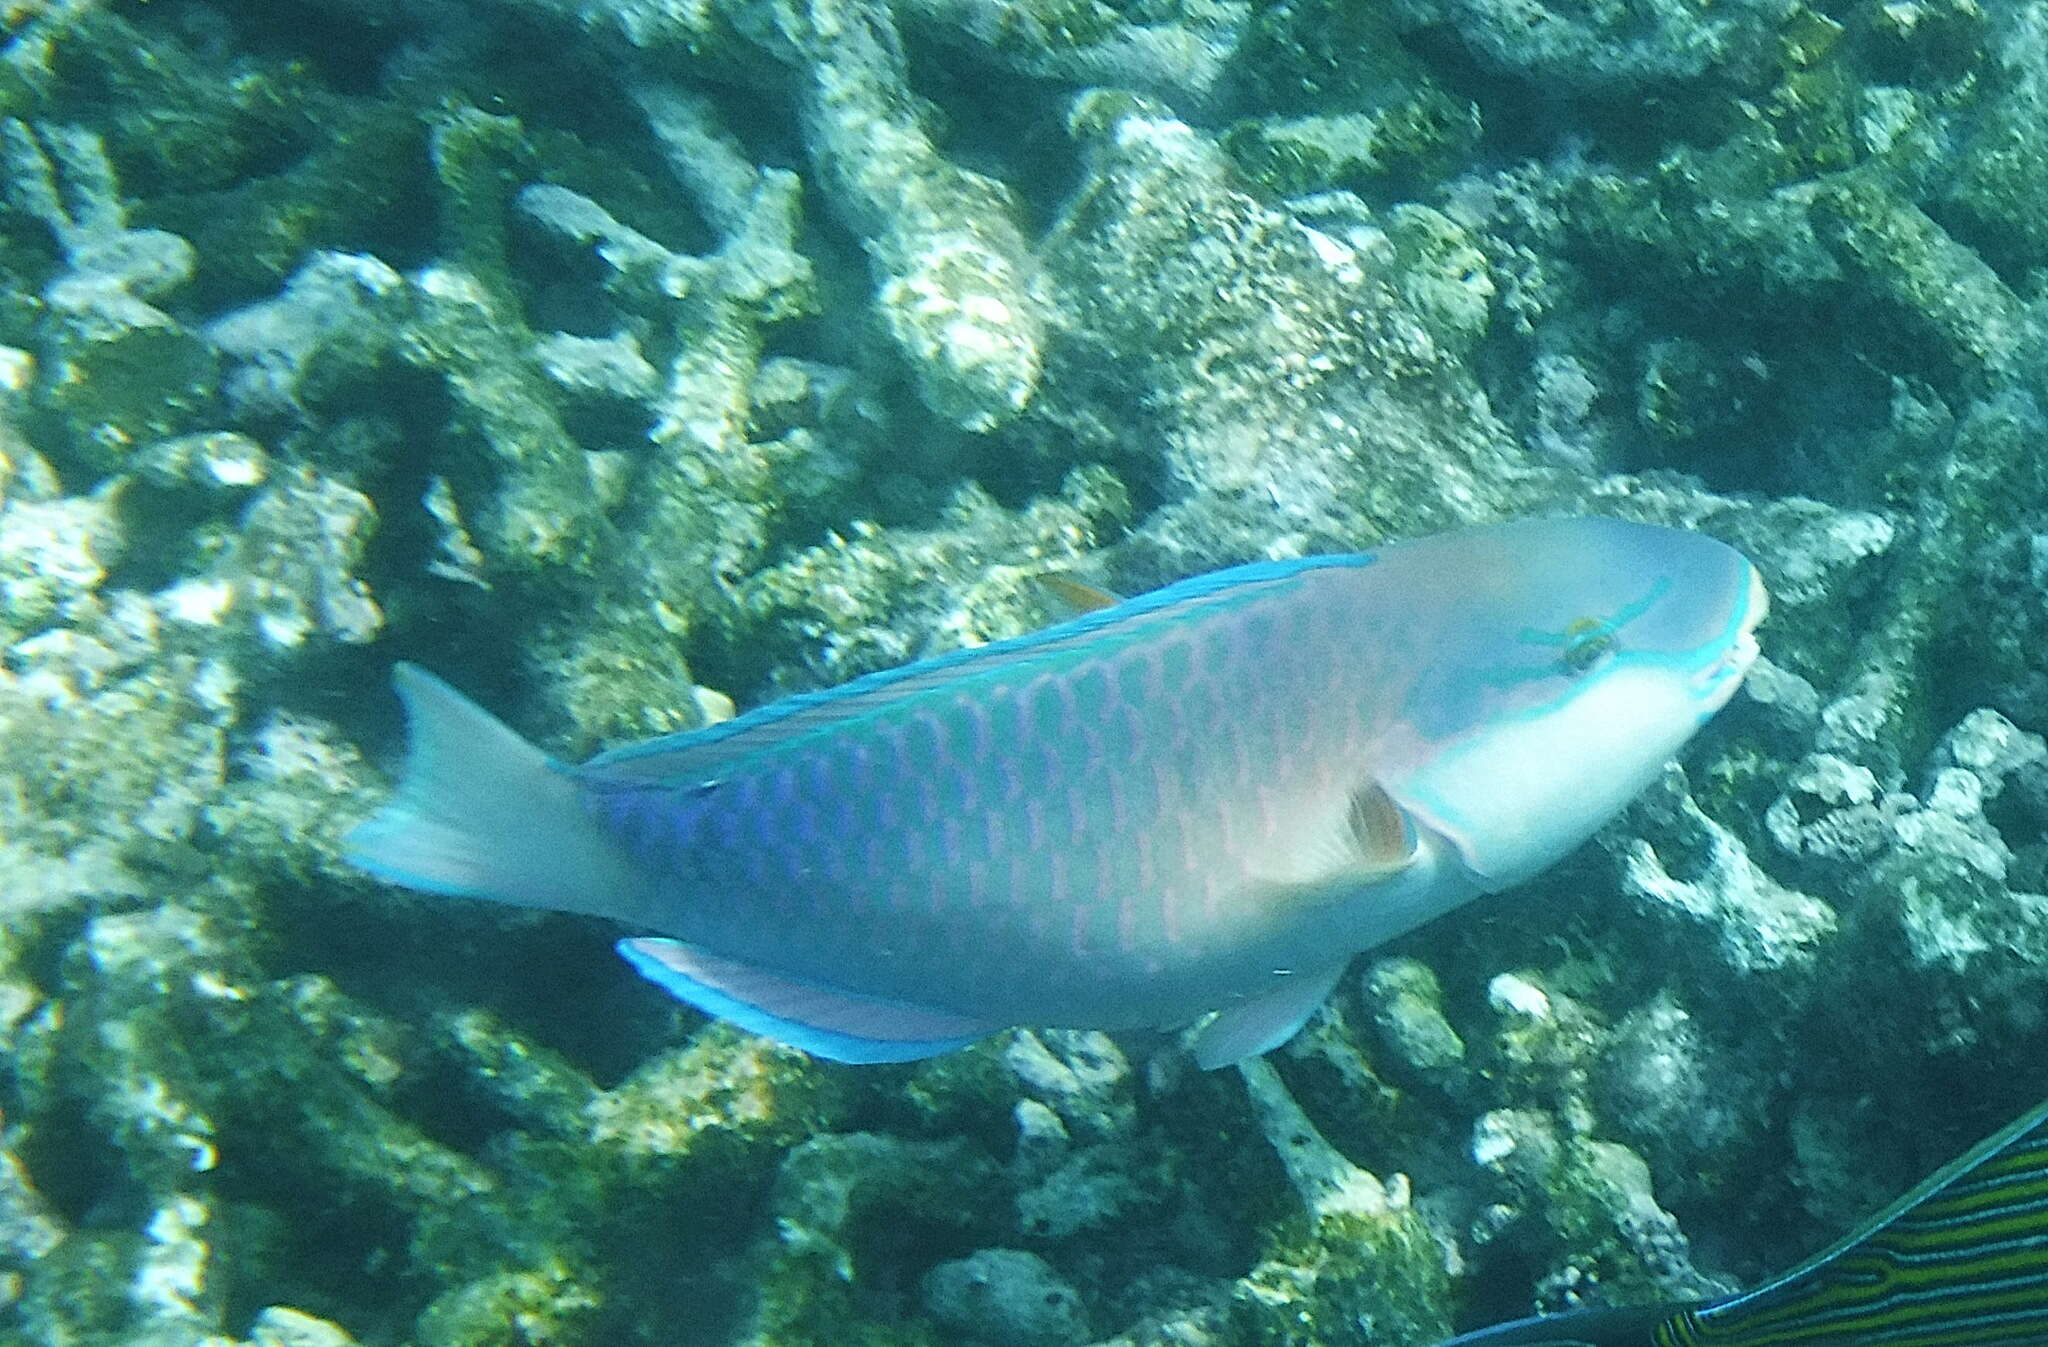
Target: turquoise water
{"points": [[634, 362]]}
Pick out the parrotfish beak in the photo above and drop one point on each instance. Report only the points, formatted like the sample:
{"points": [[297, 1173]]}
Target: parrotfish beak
{"points": [[1718, 681]]}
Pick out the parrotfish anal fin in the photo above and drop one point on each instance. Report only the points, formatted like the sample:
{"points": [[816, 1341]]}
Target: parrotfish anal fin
{"points": [[1266, 1021], [1071, 598], [705, 755], [1626, 1327], [823, 1021]]}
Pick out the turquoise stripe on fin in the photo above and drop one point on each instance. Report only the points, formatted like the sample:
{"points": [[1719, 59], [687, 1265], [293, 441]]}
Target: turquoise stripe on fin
{"points": [[823, 1021], [700, 755]]}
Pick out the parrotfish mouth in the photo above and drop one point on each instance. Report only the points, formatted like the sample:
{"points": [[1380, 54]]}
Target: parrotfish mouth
{"points": [[1718, 681]]}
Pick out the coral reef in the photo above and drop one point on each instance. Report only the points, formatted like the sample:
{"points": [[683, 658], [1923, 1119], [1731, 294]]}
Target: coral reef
{"points": [[629, 361]]}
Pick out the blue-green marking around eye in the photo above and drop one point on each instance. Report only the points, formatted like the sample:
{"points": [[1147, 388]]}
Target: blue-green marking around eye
{"points": [[1574, 683], [1596, 626], [1453, 702]]}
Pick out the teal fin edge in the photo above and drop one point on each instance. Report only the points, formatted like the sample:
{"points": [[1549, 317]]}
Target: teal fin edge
{"points": [[832, 1044]]}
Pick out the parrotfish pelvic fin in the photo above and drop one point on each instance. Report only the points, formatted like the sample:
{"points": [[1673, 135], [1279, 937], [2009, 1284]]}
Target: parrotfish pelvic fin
{"points": [[1266, 1021], [823, 1021], [481, 813]]}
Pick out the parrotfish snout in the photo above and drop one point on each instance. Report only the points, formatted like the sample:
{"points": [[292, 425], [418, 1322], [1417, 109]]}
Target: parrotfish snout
{"points": [[1207, 798]]}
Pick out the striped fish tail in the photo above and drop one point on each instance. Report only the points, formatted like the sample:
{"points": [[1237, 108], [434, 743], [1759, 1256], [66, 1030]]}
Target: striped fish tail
{"points": [[1960, 1261]]}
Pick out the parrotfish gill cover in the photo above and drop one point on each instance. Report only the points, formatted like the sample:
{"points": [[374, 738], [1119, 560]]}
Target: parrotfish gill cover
{"points": [[1206, 798]]}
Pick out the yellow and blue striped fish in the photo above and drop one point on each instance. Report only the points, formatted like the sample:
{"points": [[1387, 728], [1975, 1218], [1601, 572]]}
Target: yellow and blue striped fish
{"points": [[1960, 1261], [1203, 799]]}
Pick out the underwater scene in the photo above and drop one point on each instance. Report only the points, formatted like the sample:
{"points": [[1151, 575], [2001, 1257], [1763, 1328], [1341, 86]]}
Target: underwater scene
{"points": [[1023, 673]]}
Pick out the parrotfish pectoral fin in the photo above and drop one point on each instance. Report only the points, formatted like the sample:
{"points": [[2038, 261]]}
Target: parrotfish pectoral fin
{"points": [[1264, 1022], [1383, 834], [823, 1021], [481, 813]]}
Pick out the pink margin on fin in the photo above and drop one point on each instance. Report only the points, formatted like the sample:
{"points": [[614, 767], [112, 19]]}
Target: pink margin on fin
{"points": [[824, 1021]]}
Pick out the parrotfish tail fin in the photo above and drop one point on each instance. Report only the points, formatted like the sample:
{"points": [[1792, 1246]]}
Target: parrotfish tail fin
{"points": [[481, 813], [1634, 1326]]}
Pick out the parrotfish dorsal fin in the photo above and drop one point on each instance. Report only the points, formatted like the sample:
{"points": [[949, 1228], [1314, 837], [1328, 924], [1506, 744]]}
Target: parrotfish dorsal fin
{"points": [[704, 755]]}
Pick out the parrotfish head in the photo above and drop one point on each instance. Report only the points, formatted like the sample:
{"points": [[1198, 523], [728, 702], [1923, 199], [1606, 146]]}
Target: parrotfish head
{"points": [[1572, 659]]}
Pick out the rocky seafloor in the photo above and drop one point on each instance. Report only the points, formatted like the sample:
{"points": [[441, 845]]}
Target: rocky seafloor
{"points": [[630, 360]]}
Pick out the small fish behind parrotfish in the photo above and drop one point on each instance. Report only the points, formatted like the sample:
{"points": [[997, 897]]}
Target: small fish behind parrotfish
{"points": [[1960, 1261], [1206, 798]]}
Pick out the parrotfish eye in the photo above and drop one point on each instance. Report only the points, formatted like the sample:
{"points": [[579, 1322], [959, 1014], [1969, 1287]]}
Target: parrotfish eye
{"points": [[1587, 643]]}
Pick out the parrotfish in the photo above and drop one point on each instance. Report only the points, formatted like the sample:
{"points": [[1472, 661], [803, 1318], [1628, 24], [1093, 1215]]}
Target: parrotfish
{"points": [[1206, 798], [1959, 1261]]}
